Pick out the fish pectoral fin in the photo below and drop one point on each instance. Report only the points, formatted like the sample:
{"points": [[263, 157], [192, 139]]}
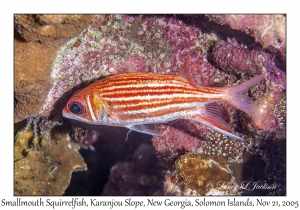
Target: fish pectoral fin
{"points": [[145, 128], [211, 116]]}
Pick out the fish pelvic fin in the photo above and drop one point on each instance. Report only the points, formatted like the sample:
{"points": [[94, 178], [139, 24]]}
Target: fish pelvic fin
{"points": [[145, 128], [211, 116], [236, 96]]}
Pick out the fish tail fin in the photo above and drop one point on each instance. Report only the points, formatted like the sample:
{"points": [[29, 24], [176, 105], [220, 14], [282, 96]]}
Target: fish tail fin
{"points": [[236, 96]]}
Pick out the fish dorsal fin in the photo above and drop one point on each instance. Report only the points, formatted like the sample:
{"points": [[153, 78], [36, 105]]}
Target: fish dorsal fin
{"points": [[145, 128], [145, 69], [185, 72]]}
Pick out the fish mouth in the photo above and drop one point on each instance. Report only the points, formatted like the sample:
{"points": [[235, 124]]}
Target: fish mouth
{"points": [[70, 116], [66, 114]]}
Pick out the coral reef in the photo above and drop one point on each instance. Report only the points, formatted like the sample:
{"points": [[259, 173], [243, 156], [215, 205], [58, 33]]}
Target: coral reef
{"points": [[46, 28], [269, 30], [43, 169], [175, 141], [137, 177], [97, 46], [31, 82], [201, 175], [36, 43], [233, 56], [221, 145]]}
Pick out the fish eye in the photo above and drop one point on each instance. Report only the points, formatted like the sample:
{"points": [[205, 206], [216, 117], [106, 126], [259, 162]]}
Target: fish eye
{"points": [[77, 108]]}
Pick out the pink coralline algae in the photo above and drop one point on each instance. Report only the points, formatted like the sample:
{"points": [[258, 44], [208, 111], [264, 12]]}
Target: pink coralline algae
{"points": [[178, 138], [232, 56], [236, 57], [269, 30]]}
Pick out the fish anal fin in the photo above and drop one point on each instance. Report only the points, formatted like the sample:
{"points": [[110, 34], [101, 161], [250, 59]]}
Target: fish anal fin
{"points": [[211, 116], [213, 112], [145, 128]]}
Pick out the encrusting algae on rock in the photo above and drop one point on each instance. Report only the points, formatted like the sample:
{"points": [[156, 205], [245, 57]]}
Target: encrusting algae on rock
{"points": [[43, 169], [269, 30], [201, 175], [106, 45], [50, 28]]}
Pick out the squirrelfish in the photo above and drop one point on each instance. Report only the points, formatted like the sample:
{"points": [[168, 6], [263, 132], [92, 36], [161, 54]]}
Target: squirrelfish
{"points": [[139, 100]]}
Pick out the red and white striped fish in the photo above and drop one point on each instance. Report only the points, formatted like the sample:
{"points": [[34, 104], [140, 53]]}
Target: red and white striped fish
{"points": [[139, 100]]}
